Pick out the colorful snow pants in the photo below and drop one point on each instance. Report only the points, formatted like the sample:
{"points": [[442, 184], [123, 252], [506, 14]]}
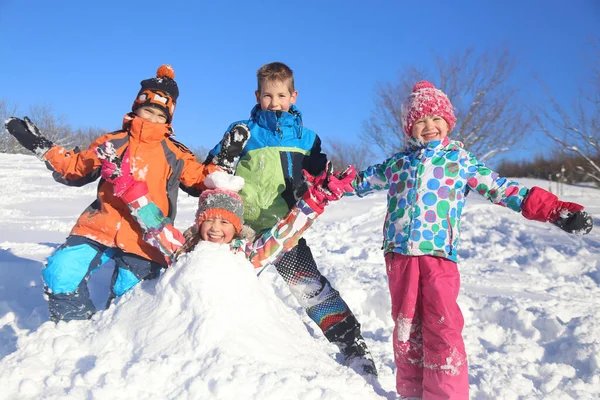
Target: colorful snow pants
{"points": [[322, 303], [69, 268], [428, 347]]}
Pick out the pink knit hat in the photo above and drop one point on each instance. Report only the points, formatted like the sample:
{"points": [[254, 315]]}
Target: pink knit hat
{"points": [[425, 100]]}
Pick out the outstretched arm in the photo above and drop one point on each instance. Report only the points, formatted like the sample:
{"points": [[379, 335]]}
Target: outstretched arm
{"points": [[535, 204], [373, 178], [323, 189], [69, 165]]}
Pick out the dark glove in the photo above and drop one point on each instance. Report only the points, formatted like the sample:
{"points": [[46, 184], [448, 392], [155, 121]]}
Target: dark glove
{"points": [[28, 135], [572, 219], [541, 205], [231, 147]]}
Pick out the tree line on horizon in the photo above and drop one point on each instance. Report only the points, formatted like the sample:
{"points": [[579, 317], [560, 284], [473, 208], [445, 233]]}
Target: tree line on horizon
{"points": [[492, 118]]}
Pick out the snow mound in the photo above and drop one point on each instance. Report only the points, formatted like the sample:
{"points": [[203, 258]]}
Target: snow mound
{"points": [[206, 329]]}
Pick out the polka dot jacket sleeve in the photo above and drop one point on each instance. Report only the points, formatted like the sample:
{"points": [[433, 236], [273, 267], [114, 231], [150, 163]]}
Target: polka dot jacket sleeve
{"points": [[375, 177], [490, 185]]}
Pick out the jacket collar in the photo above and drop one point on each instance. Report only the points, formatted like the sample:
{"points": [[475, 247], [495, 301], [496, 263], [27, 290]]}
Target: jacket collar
{"points": [[445, 143], [145, 131], [275, 121]]}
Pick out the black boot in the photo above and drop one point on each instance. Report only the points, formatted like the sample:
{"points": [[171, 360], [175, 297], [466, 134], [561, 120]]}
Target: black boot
{"points": [[346, 335]]}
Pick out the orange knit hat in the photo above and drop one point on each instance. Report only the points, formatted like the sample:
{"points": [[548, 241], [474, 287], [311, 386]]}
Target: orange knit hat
{"points": [[160, 92]]}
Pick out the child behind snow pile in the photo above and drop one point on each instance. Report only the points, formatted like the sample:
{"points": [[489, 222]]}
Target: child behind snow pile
{"points": [[427, 185], [105, 230], [220, 214]]}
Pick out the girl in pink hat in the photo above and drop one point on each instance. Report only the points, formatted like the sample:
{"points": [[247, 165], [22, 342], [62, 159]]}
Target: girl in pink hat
{"points": [[427, 184]]}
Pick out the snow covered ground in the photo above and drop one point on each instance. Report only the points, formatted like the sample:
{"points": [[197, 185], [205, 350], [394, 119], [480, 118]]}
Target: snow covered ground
{"points": [[209, 329]]}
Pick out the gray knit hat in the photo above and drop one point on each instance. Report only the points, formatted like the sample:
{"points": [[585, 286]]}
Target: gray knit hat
{"points": [[221, 203]]}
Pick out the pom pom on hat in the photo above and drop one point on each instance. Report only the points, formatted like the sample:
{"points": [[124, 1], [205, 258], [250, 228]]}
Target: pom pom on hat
{"points": [[165, 71], [426, 100], [160, 92]]}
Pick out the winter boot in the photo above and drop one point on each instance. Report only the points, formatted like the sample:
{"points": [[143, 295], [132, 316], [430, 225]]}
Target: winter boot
{"points": [[346, 335]]}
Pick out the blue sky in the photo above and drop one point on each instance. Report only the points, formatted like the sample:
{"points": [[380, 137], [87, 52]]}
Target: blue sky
{"points": [[86, 59]]}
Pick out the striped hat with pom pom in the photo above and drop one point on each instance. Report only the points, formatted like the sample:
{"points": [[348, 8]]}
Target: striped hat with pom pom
{"points": [[160, 92], [221, 203]]}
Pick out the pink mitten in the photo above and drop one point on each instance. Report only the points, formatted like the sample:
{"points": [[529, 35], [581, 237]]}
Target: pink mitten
{"points": [[541, 205], [114, 169], [340, 183]]}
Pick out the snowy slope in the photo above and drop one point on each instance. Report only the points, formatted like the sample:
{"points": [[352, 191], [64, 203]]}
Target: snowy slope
{"points": [[208, 328]]}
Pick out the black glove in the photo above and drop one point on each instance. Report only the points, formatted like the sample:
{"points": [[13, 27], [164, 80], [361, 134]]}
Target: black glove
{"points": [[28, 135], [578, 222], [231, 147]]}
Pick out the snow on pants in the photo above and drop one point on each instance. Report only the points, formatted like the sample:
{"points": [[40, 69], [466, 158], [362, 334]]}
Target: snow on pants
{"points": [[67, 271], [322, 303], [428, 347]]}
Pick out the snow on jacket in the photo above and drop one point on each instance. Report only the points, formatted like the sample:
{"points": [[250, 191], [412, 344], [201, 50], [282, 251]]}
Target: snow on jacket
{"points": [[264, 250], [156, 159], [271, 164], [427, 187]]}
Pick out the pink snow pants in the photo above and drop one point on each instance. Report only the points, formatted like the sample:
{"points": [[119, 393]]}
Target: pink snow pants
{"points": [[428, 347]]}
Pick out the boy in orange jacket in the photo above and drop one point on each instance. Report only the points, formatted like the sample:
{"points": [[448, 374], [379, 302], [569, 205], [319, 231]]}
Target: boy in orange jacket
{"points": [[106, 230]]}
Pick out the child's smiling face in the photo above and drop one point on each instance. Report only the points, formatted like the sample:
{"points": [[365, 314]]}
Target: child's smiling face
{"points": [[275, 96], [431, 127], [217, 230]]}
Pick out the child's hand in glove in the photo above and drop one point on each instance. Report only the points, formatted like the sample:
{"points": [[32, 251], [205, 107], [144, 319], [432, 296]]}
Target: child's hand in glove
{"points": [[326, 186], [571, 218], [28, 135], [232, 144], [541, 205], [340, 183], [114, 169]]}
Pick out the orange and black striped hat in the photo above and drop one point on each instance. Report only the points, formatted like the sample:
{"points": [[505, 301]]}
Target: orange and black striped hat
{"points": [[160, 92]]}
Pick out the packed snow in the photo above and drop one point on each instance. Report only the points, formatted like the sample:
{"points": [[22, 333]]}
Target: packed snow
{"points": [[208, 328]]}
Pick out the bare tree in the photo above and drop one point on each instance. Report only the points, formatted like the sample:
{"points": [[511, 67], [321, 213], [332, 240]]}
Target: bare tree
{"points": [[342, 154], [490, 115], [200, 152], [52, 127], [8, 144], [84, 137], [576, 128]]}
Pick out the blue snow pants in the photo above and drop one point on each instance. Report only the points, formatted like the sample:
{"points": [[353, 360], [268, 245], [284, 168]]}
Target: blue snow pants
{"points": [[67, 271]]}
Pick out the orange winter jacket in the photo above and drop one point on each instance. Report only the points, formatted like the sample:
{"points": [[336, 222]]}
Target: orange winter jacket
{"points": [[155, 158]]}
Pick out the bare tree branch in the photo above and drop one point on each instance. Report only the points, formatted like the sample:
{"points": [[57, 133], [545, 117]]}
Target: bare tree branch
{"points": [[576, 128], [490, 114], [342, 154]]}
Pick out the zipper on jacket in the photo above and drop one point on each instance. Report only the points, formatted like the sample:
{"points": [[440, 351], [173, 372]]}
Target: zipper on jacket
{"points": [[450, 234], [278, 118], [414, 201]]}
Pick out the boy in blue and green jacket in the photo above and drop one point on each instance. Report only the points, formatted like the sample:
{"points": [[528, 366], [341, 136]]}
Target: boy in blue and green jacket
{"points": [[271, 163]]}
